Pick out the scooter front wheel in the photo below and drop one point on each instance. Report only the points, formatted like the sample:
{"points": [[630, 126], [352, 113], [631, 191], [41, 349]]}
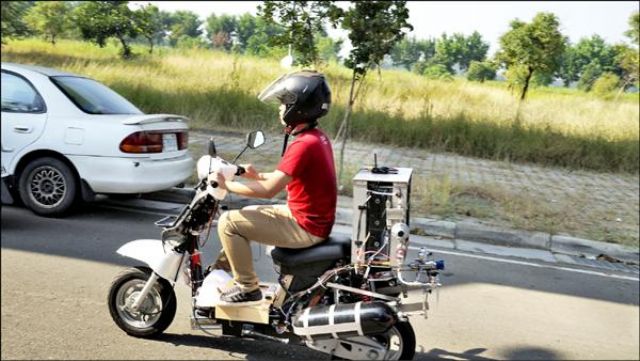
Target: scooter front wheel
{"points": [[156, 311]]}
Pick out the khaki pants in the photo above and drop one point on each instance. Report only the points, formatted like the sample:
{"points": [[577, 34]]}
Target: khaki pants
{"points": [[272, 225]]}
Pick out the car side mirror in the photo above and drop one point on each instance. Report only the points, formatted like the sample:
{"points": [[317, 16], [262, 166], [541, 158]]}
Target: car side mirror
{"points": [[212, 148], [255, 139]]}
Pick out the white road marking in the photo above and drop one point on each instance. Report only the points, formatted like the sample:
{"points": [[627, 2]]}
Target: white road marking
{"points": [[524, 263], [470, 255]]}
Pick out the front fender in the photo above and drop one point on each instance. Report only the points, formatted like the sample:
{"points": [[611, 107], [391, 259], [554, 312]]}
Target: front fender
{"points": [[166, 263]]}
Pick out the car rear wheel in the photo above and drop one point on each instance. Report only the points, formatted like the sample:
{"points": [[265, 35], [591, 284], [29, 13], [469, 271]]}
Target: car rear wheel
{"points": [[47, 186]]}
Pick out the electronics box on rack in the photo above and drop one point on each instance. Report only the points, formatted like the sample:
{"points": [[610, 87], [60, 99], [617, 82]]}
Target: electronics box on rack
{"points": [[379, 202]]}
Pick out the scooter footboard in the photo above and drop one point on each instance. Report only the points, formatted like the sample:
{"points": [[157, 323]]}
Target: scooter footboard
{"points": [[165, 263]]}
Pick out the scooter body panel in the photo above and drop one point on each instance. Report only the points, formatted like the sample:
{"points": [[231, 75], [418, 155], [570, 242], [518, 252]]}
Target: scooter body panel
{"points": [[208, 296], [165, 263]]}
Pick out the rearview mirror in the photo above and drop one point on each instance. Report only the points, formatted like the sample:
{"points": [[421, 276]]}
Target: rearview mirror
{"points": [[255, 139]]}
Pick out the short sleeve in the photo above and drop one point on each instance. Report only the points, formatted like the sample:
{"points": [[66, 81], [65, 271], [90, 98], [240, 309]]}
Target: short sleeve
{"points": [[294, 159]]}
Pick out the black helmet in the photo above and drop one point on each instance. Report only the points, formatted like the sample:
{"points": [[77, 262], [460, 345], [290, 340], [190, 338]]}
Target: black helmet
{"points": [[305, 93]]}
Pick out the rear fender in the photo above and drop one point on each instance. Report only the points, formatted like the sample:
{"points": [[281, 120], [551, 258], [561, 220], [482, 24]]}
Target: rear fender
{"points": [[167, 264]]}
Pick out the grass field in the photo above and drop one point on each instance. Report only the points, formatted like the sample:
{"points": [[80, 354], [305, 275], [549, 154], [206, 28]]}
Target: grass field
{"points": [[559, 127]]}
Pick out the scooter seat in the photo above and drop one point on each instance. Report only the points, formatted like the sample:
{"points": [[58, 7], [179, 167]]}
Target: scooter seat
{"points": [[333, 248]]}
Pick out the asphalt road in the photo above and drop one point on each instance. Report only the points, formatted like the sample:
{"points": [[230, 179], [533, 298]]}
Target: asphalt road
{"points": [[56, 273]]}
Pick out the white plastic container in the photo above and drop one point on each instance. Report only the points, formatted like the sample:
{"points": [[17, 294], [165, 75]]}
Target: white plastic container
{"points": [[208, 294]]}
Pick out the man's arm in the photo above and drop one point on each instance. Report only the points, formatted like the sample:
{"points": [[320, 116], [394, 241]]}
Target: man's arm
{"points": [[267, 186]]}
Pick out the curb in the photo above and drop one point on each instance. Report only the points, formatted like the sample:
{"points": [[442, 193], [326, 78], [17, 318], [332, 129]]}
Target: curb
{"points": [[464, 230], [572, 245], [525, 239], [469, 231]]}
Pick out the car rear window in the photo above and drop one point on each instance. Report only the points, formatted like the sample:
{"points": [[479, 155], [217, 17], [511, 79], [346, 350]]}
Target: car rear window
{"points": [[92, 97]]}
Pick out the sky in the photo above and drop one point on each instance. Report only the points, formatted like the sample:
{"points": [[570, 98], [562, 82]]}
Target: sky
{"points": [[491, 19]]}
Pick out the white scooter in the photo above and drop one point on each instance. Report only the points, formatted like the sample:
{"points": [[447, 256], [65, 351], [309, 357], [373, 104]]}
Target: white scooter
{"points": [[350, 310]]}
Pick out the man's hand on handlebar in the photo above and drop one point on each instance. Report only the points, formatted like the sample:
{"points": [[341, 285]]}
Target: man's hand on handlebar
{"points": [[250, 172]]}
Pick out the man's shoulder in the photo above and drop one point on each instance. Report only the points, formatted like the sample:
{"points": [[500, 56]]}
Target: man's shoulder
{"points": [[314, 136]]}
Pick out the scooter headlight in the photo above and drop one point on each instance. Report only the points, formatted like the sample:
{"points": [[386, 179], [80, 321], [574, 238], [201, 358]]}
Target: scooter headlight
{"points": [[203, 166]]}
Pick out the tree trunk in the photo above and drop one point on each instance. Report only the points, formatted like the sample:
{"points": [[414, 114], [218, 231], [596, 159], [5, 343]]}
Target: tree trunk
{"points": [[526, 84], [126, 51], [53, 39], [344, 127], [150, 45]]}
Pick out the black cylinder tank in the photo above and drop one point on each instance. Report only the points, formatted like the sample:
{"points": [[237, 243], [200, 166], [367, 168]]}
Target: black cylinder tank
{"points": [[344, 320]]}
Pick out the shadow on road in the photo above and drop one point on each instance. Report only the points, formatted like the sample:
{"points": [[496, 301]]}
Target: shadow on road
{"points": [[261, 350], [440, 354], [475, 354], [96, 231], [254, 349]]}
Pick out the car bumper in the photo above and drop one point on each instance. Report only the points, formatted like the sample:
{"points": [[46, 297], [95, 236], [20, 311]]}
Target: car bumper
{"points": [[127, 175]]}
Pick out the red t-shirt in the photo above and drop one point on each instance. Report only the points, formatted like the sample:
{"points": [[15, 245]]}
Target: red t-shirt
{"points": [[312, 193]]}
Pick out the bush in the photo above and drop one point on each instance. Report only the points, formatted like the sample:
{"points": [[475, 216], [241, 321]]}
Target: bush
{"points": [[481, 71], [590, 73], [606, 85], [437, 71], [419, 67], [188, 42]]}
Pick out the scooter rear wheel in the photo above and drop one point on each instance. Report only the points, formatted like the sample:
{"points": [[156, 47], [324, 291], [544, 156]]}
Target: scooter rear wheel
{"points": [[156, 312], [399, 340]]}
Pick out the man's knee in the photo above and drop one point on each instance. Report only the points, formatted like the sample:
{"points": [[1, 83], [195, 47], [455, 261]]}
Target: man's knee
{"points": [[225, 223]]}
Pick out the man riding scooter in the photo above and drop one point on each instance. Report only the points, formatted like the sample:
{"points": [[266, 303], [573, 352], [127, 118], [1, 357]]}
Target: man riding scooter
{"points": [[306, 170]]}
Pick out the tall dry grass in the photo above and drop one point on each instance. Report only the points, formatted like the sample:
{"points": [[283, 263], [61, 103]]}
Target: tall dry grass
{"points": [[557, 127]]}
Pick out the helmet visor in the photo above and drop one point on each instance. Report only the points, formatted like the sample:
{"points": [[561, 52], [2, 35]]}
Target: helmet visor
{"points": [[278, 91]]}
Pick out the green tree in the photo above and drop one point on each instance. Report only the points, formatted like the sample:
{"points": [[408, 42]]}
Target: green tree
{"points": [[374, 28], [100, 20], [542, 79], [167, 20], [148, 22], [13, 24], [184, 23], [569, 70], [258, 43], [634, 32], [408, 52], [448, 50], [538, 46], [460, 50], [246, 28], [594, 50], [589, 50], [629, 64], [221, 30], [48, 18], [481, 71], [628, 57], [328, 49], [475, 49], [301, 21]]}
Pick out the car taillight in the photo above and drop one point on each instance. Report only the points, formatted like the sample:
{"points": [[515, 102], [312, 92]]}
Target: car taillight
{"points": [[183, 140], [142, 142]]}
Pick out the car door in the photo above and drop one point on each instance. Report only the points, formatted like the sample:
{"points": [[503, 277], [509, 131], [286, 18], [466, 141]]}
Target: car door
{"points": [[24, 115]]}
